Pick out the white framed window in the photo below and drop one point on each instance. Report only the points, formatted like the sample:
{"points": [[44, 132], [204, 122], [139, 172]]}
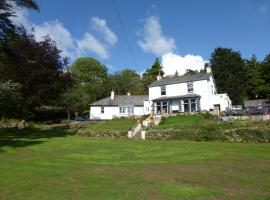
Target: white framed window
{"points": [[190, 87], [163, 90], [126, 110], [102, 110]]}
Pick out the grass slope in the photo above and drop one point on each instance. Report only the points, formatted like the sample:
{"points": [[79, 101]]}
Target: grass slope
{"points": [[206, 121], [122, 124], [39, 164]]}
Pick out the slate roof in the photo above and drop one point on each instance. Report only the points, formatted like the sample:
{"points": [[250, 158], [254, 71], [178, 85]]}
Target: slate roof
{"points": [[136, 100], [176, 97], [181, 79]]}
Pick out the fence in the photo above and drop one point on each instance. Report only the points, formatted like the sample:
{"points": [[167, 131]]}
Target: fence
{"points": [[248, 111]]}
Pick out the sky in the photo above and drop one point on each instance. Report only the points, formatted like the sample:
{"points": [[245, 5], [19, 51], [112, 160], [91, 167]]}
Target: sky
{"points": [[132, 33]]}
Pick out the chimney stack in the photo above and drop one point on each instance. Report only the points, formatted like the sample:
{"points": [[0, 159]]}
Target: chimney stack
{"points": [[159, 76], [112, 95], [128, 93], [208, 69]]}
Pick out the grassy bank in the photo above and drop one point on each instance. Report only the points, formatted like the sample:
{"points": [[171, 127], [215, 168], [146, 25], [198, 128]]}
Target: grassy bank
{"points": [[121, 124], [53, 164], [205, 127]]}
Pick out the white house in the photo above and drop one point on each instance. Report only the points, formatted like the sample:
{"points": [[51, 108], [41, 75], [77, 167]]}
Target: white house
{"points": [[120, 106], [179, 94], [187, 93]]}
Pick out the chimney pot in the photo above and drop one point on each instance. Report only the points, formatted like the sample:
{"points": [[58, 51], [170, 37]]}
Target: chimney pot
{"points": [[112, 95], [159, 76], [208, 69]]}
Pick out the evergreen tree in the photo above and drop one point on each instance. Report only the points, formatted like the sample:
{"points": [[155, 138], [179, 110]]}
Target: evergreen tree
{"points": [[229, 72]]}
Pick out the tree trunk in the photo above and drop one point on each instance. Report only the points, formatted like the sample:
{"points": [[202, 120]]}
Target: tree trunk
{"points": [[68, 114]]}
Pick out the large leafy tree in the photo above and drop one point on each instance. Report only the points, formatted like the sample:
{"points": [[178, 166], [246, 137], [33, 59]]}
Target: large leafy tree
{"points": [[91, 79], [37, 66], [127, 80], [230, 73]]}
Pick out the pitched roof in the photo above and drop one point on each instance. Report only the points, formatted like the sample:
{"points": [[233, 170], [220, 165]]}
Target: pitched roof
{"points": [[176, 97], [181, 79], [136, 100]]}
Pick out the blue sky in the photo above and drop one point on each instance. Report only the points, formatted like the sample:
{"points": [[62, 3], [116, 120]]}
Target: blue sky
{"points": [[182, 33]]}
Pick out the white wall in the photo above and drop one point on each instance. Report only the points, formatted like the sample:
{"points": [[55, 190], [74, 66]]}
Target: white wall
{"points": [[200, 87], [147, 107], [206, 89], [223, 100], [111, 112]]}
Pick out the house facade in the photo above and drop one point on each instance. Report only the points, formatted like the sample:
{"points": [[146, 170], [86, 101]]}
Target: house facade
{"points": [[188, 93], [179, 94], [116, 106]]}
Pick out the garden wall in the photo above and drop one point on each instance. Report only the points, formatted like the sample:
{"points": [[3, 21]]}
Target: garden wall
{"points": [[108, 134]]}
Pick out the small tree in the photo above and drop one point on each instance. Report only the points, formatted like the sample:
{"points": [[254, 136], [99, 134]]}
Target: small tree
{"points": [[71, 102]]}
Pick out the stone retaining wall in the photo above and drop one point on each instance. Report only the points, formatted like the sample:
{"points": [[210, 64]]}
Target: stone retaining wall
{"points": [[105, 134], [231, 135]]}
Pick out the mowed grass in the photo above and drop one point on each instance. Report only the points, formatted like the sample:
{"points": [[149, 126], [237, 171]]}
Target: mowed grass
{"points": [[206, 122], [39, 164], [121, 124]]}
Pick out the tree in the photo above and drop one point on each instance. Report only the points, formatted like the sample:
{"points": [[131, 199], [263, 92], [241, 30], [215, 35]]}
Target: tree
{"points": [[10, 99], [150, 75], [258, 84], [71, 101], [91, 78], [127, 81], [37, 66], [7, 10], [230, 74], [190, 72]]}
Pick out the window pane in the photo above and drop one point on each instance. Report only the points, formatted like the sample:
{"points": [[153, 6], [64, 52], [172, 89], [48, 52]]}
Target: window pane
{"points": [[186, 107], [186, 101], [193, 107], [190, 87], [163, 90]]}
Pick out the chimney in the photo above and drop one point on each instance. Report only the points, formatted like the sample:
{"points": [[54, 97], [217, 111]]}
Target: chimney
{"points": [[112, 95], [208, 69], [159, 76], [128, 93]]}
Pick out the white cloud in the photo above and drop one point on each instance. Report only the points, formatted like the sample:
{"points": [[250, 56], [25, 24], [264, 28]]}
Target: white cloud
{"points": [[154, 41], [172, 62], [70, 46], [101, 26], [90, 43], [57, 32]]}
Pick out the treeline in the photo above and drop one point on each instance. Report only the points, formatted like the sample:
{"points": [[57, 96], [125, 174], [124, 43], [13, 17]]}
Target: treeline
{"points": [[34, 75], [241, 78], [92, 82]]}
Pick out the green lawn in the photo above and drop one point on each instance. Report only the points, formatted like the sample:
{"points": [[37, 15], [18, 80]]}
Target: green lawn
{"points": [[206, 121], [122, 124], [39, 164]]}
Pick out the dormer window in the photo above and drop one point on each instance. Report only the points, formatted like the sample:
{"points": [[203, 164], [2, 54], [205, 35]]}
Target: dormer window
{"points": [[163, 90], [190, 87]]}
